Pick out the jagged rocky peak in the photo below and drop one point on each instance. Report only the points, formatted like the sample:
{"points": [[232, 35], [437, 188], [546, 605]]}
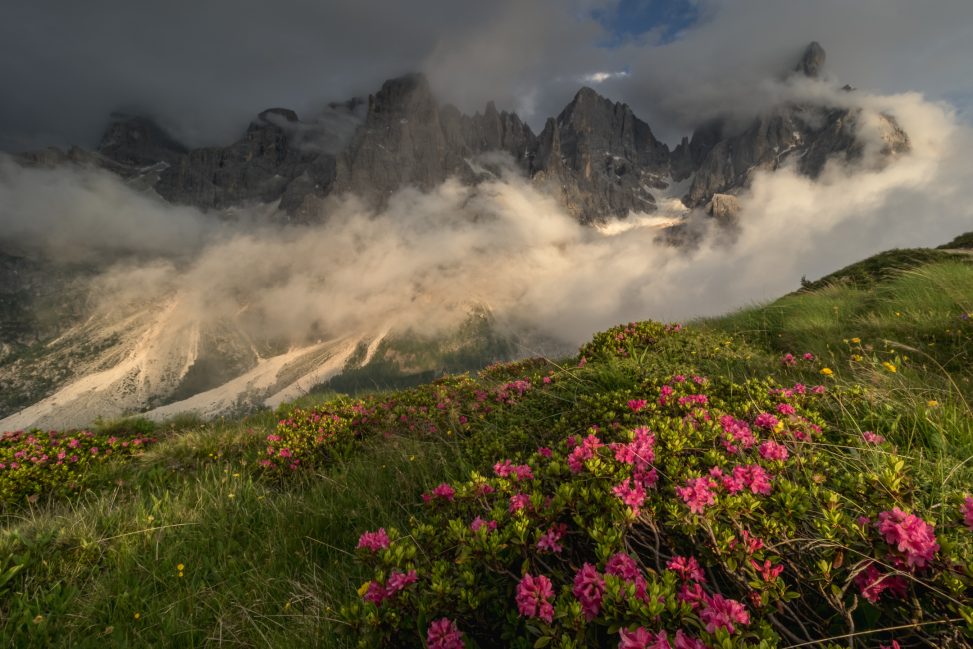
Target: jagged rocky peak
{"points": [[407, 96], [600, 159], [138, 140], [812, 61]]}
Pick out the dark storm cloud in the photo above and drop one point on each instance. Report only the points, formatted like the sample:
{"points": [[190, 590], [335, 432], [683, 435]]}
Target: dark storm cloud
{"points": [[204, 68]]}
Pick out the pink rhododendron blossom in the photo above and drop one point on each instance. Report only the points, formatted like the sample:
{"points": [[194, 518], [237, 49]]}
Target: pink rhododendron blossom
{"points": [[640, 638], [687, 568], [633, 496], [589, 586], [692, 593], [719, 612], [544, 452], [736, 434], [443, 491], [636, 405], [684, 641], [872, 438], [646, 478], [786, 409], [640, 452], [693, 400], [872, 583], [399, 580], [479, 522], [771, 450], [754, 477], [766, 420], [533, 597], [698, 493], [788, 360], [374, 541], [583, 452], [444, 634], [508, 469], [967, 510], [550, 540], [375, 593], [808, 356], [910, 535], [664, 393], [767, 571], [518, 502]]}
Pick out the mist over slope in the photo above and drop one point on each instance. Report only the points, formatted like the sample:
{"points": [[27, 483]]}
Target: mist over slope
{"points": [[211, 309]]}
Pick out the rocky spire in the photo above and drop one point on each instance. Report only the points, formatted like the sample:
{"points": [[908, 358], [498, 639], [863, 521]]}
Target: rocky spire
{"points": [[812, 61]]}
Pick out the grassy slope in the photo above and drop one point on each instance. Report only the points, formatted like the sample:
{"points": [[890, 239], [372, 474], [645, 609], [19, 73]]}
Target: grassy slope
{"points": [[265, 563]]}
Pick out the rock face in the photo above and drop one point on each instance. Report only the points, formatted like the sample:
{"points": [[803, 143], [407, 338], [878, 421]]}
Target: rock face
{"points": [[408, 139], [812, 61], [600, 158], [596, 156]]}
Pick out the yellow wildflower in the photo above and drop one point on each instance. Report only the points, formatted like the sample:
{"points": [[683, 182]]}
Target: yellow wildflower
{"points": [[137, 615], [363, 589], [856, 340], [180, 567], [887, 365], [932, 403], [826, 371], [856, 357]]}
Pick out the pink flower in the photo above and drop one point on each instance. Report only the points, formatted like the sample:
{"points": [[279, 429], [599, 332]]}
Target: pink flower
{"points": [[767, 571], [635, 405], [721, 613], [633, 496], [698, 493], [582, 362], [808, 356], [507, 469], [736, 431], [442, 491], [786, 409], [637, 639], [589, 586], [771, 450], [692, 594], [583, 452], [684, 641], [967, 510], [910, 535], [664, 393], [544, 451], [687, 568], [872, 583], [375, 593], [479, 523], [639, 452], [374, 541], [766, 420], [550, 540], [533, 597], [693, 399], [788, 360], [754, 477], [399, 580], [872, 438], [444, 634], [518, 502]]}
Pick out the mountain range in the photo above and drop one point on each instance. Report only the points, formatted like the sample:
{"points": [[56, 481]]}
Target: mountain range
{"points": [[63, 361]]}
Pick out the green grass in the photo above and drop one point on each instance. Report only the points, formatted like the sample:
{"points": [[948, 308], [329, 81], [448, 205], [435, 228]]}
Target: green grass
{"points": [[266, 563]]}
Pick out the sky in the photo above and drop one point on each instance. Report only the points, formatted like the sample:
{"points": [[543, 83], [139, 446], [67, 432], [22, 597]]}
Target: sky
{"points": [[204, 68]]}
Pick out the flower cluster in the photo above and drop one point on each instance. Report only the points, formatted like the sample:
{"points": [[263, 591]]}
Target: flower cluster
{"points": [[38, 462]]}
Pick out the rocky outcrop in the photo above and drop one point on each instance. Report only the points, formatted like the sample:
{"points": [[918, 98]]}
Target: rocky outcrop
{"points": [[600, 159], [812, 61], [407, 139], [138, 141]]}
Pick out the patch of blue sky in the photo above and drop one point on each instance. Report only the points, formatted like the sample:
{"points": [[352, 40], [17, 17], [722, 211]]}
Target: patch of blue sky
{"points": [[632, 19]]}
